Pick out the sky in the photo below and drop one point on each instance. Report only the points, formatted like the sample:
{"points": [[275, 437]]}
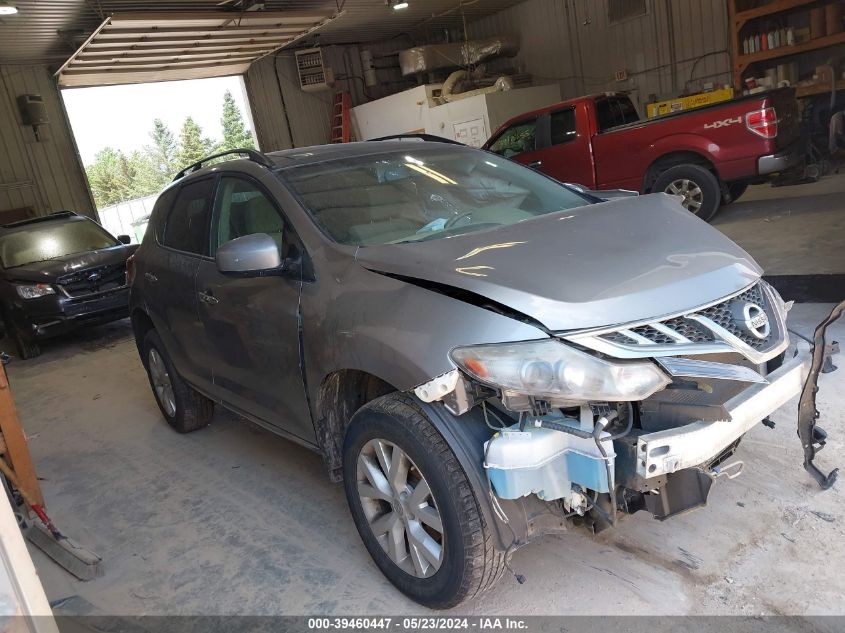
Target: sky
{"points": [[122, 116]]}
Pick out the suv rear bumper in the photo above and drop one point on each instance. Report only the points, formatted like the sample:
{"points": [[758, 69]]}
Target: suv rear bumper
{"points": [[668, 451]]}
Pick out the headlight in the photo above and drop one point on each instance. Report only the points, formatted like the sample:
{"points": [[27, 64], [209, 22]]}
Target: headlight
{"points": [[553, 369], [34, 291]]}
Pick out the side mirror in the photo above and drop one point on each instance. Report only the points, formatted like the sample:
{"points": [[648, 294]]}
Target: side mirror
{"points": [[249, 254], [124, 239]]}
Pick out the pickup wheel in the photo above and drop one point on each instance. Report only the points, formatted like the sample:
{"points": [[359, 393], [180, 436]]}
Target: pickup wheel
{"points": [[414, 506], [698, 186], [184, 409]]}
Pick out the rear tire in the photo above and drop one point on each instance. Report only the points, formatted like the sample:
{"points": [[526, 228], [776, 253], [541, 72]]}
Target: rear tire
{"points": [[26, 347], [735, 190], [699, 186], [465, 562], [184, 408]]}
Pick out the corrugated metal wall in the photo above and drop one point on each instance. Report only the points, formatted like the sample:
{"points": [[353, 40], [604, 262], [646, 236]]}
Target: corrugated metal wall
{"points": [[272, 82], [45, 175], [571, 42]]}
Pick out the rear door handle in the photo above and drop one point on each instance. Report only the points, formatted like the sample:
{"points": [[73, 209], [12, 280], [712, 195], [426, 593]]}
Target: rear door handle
{"points": [[150, 277], [207, 297]]}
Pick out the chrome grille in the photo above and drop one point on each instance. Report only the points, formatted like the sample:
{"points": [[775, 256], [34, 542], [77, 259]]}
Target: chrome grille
{"points": [[721, 315], [86, 282], [707, 330]]}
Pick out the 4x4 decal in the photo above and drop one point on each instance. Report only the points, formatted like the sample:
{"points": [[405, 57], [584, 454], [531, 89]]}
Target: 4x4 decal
{"points": [[722, 123]]}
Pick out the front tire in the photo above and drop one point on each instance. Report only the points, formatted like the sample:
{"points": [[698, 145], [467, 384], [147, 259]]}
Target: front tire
{"points": [[698, 186], [26, 347], [414, 506], [184, 408]]}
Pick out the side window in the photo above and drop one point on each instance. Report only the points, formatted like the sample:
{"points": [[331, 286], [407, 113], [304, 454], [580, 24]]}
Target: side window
{"points": [[563, 126], [242, 208], [187, 225], [518, 138]]}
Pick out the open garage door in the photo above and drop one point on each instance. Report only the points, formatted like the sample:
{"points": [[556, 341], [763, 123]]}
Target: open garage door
{"points": [[145, 47]]}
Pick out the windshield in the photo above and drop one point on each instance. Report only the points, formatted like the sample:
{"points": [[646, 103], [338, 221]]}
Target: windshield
{"points": [[48, 240], [422, 194]]}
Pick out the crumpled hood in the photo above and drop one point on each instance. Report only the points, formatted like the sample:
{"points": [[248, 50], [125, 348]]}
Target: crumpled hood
{"points": [[50, 270], [616, 262]]}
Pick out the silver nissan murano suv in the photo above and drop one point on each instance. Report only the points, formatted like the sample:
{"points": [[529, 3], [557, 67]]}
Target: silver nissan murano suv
{"points": [[480, 353]]}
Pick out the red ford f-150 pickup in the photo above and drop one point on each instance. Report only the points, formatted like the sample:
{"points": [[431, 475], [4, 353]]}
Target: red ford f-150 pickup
{"points": [[708, 155]]}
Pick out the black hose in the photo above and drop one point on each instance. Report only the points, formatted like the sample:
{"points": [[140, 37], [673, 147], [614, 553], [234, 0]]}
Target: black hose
{"points": [[627, 428], [610, 483], [563, 428]]}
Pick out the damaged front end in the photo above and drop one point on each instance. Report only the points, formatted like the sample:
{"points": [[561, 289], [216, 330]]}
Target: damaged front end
{"points": [[645, 417]]}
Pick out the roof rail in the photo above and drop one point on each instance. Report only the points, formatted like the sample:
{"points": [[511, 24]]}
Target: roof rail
{"points": [[422, 137], [254, 155]]}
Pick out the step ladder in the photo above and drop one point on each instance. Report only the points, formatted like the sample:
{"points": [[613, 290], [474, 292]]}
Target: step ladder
{"points": [[340, 118]]}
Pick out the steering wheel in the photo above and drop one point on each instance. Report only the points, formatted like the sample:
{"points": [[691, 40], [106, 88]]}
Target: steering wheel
{"points": [[451, 222]]}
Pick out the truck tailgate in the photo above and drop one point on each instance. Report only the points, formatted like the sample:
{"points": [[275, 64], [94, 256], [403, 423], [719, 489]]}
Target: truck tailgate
{"points": [[786, 107]]}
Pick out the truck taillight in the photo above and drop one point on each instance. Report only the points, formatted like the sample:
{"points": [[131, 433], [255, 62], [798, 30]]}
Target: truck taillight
{"points": [[130, 270], [762, 122]]}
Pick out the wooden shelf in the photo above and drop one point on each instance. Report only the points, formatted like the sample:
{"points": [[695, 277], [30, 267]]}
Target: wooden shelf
{"points": [[740, 18], [743, 61], [817, 89]]}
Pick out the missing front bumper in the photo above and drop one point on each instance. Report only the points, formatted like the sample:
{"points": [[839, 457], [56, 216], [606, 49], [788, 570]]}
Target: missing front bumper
{"points": [[669, 451], [672, 450]]}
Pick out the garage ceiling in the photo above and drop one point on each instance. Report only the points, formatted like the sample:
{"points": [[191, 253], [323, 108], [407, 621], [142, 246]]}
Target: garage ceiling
{"points": [[50, 31], [148, 46]]}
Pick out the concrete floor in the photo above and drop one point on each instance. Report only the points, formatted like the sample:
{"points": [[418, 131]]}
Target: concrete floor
{"points": [[780, 226], [233, 520]]}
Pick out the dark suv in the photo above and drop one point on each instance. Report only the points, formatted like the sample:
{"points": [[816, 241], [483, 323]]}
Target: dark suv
{"points": [[479, 352], [57, 273]]}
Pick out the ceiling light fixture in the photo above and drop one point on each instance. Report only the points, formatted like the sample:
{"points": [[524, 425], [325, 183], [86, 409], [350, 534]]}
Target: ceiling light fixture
{"points": [[9, 9], [398, 5]]}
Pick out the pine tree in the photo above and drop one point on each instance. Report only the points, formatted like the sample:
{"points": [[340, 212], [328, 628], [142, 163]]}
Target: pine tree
{"points": [[145, 175], [235, 132], [110, 177], [162, 152], [193, 147]]}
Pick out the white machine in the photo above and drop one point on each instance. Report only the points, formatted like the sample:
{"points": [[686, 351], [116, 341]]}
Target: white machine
{"points": [[470, 120]]}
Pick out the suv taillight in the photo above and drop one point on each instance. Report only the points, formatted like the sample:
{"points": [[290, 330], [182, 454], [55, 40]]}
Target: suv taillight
{"points": [[762, 122], [130, 270]]}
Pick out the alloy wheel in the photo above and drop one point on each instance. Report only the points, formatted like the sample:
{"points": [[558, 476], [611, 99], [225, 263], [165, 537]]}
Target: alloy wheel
{"points": [[400, 509], [691, 193], [161, 383]]}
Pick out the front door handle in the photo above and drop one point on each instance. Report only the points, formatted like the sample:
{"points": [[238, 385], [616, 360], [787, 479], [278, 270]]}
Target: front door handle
{"points": [[207, 297], [150, 277], [535, 165]]}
